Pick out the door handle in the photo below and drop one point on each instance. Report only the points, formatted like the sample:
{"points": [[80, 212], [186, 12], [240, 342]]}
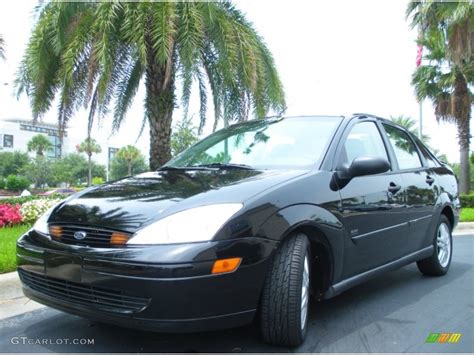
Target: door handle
{"points": [[394, 188], [429, 180]]}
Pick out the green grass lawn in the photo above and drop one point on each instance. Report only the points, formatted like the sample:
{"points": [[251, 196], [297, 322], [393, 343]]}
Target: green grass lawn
{"points": [[8, 237], [467, 215]]}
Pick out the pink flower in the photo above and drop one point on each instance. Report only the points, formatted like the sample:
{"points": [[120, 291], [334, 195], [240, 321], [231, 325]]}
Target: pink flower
{"points": [[10, 215]]}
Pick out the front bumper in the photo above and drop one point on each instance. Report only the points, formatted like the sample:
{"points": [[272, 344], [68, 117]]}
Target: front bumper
{"points": [[166, 288]]}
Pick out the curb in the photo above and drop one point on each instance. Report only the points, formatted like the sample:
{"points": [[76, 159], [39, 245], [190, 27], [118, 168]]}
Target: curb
{"points": [[465, 226], [9, 276]]}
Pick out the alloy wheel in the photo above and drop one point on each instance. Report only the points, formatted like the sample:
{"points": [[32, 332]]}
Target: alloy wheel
{"points": [[304, 292], [443, 242]]}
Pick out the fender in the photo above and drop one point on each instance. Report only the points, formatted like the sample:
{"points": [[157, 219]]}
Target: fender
{"points": [[283, 222], [442, 202]]}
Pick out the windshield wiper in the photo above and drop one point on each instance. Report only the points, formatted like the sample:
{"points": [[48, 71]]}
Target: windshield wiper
{"points": [[191, 167], [224, 166]]}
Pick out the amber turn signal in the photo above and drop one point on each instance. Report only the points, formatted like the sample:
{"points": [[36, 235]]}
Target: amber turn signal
{"points": [[55, 232], [225, 265], [119, 238]]}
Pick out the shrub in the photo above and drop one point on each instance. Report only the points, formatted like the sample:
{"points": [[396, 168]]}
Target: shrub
{"points": [[467, 200], [19, 200], [23, 199], [97, 181], [9, 215], [32, 210], [17, 183], [2, 183], [13, 163]]}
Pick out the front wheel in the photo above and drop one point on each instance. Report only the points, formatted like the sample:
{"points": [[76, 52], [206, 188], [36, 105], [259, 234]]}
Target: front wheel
{"points": [[285, 296], [438, 263]]}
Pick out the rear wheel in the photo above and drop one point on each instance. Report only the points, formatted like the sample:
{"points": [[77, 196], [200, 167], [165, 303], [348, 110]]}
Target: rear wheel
{"points": [[285, 296], [438, 263]]}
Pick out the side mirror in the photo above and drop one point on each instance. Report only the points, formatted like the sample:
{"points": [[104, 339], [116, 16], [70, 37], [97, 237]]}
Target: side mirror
{"points": [[360, 166]]}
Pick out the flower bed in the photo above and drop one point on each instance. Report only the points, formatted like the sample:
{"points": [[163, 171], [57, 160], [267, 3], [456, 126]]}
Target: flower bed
{"points": [[22, 200], [10, 215], [25, 209], [32, 210]]}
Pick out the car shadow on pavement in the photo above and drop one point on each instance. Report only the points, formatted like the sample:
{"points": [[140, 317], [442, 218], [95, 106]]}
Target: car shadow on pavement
{"points": [[368, 305]]}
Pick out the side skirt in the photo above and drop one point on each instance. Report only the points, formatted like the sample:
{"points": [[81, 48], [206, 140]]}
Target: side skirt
{"points": [[346, 284]]}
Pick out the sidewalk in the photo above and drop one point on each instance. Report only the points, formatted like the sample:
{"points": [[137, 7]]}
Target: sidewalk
{"points": [[12, 301], [464, 228]]}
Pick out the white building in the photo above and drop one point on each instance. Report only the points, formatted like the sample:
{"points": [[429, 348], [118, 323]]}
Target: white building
{"points": [[16, 133]]}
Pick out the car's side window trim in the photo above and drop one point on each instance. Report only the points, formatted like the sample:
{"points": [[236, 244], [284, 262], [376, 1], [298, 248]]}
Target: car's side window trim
{"points": [[338, 132], [423, 147], [345, 134], [424, 164]]}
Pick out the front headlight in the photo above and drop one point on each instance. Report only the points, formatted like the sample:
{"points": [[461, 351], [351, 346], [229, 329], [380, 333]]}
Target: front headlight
{"points": [[41, 225], [194, 225]]}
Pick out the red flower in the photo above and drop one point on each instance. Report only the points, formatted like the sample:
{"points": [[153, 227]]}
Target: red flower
{"points": [[10, 215]]}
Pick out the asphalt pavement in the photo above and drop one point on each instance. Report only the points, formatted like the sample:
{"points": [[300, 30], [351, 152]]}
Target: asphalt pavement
{"points": [[392, 313]]}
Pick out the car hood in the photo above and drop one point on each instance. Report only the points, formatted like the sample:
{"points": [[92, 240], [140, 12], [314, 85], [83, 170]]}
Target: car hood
{"points": [[130, 203]]}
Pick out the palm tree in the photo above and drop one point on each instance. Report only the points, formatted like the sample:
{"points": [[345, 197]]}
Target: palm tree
{"points": [[130, 154], [410, 125], [2, 47], [96, 53], [39, 144], [89, 146], [446, 33]]}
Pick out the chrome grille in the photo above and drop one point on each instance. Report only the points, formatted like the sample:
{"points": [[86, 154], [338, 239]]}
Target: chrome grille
{"points": [[95, 237]]}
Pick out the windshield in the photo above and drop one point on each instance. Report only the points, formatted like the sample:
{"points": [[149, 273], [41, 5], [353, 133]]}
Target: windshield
{"points": [[291, 142]]}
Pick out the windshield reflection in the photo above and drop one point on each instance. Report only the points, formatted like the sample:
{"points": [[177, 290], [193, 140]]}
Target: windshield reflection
{"points": [[284, 143]]}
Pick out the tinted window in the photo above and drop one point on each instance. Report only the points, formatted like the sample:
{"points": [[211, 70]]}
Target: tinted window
{"points": [[291, 142], [8, 141], [405, 150], [363, 140], [428, 157]]}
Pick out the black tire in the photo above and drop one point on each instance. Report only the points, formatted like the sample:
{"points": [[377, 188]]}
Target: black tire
{"points": [[432, 266], [280, 308]]}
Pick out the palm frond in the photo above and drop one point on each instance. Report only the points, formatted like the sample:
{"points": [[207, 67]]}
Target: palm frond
{"points": [[2, 48], [94, 54], [126, 91]]}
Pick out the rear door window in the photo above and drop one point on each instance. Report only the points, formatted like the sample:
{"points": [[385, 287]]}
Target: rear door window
{"points": [[404, 148], [430, 160]]}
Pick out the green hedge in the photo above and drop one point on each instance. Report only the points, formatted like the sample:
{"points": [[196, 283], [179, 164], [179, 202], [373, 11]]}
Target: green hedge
{"points": [[467, 200], [22, 200], [17, 183]]}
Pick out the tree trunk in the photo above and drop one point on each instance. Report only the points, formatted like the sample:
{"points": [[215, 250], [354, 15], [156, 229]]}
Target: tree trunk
{"points": [[89, 176], [462, 111], [159, 105], [129, 162]]}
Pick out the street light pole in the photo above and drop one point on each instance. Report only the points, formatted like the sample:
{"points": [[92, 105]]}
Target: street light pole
{"points": [[420, 128]]}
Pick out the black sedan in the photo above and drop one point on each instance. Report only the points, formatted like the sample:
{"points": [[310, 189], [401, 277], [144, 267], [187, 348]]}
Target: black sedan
{"points": [[246, 225]]}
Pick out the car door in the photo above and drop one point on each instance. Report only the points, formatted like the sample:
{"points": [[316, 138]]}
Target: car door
{"points": [[372, 207], [419, 181]]}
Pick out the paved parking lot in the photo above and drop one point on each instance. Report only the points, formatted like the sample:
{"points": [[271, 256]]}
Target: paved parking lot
{"points": [[392, 313]]}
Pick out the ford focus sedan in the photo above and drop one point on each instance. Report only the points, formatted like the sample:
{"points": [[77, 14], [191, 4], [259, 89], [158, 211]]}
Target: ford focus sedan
{"points": [[247, 225]]}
